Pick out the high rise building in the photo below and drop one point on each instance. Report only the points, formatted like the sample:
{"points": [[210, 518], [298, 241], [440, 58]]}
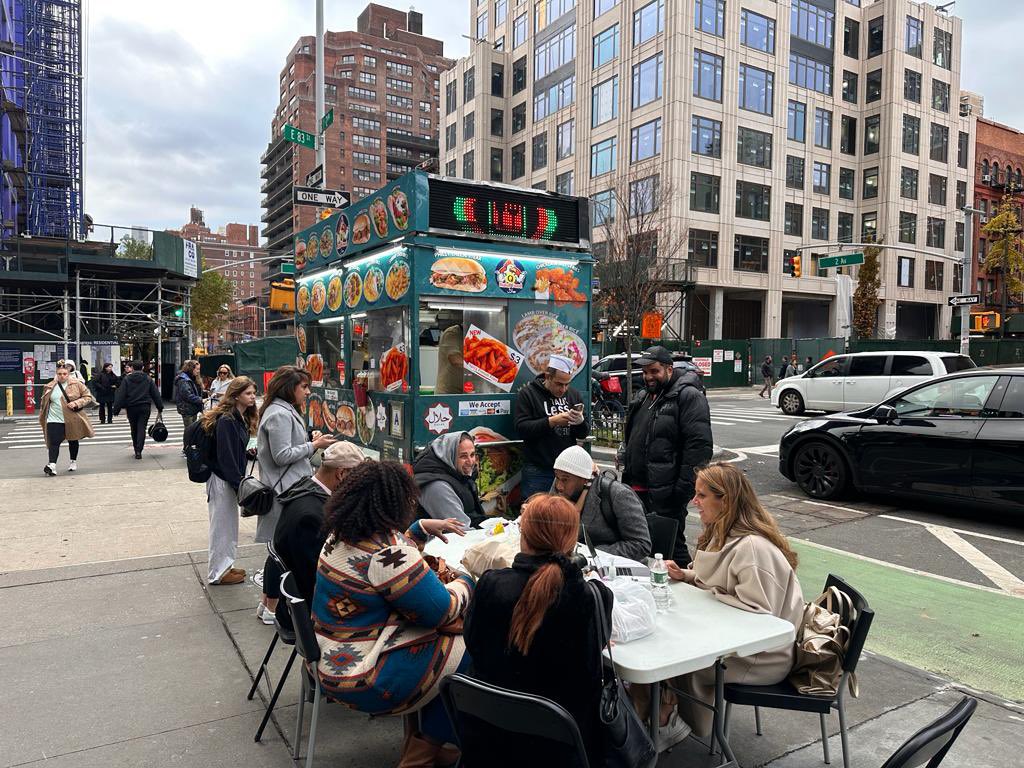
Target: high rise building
{"points": [[777, 127]]}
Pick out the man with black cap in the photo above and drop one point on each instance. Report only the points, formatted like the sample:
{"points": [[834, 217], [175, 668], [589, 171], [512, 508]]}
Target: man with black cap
{"points": [[667, 435], [549, 419]]}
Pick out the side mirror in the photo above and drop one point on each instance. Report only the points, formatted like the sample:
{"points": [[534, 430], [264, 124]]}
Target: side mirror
{"points": [[885, 414]]}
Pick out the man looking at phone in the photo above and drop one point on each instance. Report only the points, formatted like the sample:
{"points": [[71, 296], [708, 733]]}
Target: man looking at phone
{"points": [[549, 419]]}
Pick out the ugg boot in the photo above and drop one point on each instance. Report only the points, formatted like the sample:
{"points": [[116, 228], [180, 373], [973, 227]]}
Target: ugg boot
{"points": [[447, 756], [419, 753]]}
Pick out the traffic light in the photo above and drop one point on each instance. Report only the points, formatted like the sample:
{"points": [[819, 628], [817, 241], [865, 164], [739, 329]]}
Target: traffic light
{"points": [[796, 265], [179, 312], [982, 322]]}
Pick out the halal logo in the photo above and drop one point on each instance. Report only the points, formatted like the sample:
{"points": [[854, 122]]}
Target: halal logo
{"points": [[510, 276]]}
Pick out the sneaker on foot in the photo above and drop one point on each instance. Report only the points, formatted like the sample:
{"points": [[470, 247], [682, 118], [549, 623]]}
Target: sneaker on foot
{"points": [[672, 733], [50, 470], [265, 615], [73, 466]]}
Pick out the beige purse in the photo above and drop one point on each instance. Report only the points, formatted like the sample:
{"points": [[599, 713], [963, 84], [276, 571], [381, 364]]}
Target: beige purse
{"points": [[493, 552], [821, 643]]}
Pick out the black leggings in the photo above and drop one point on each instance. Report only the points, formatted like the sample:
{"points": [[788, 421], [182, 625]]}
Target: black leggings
{"points": [[54, 437], [272, 578]]}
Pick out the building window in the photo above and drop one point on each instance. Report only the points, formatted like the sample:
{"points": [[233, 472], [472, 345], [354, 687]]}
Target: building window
{"points": [[645, 141], [643, 196], [963, 149], [450, 99], [756, 89], [706, 136], [844, 227], [940, 96], [707, 76], [498, 80], [908, 227], [911, 134], [709, 16], [497, 159], [497, 122], [757, 31], [821, 178], [793, 220], [822, 128], [601, 6], [876, 36], [915, 37], [908, 183], [547, 11], [811, 23], [936, 233], [564, 183], [450, 136], [403, 86], [540, 151], [848, 135], [912, 86], [554, 98], [361, 93], [961, 195], [939, 143], [648, 21], [554, 52], [942, 52], [870, 189], [808, 73], [753, 148], [606, 45], [703, 248], [933, 275], [467, 166], [518, 161], [604, 207], [604, 102], [367, 78], [796, 121], [794, 172], [519, 76], [851, 38], [849, 87], [565, 139], [873, 86], [704, 192], [872, 134], [819, 223], [469, 84], [519, 30], [905, 272], [602, 157], [481, 26], [366, 125], [958, 245], [753, 201], [500, 11], [750, 253], [648, 78], [869, 227], [936, 189], [518, 118]]}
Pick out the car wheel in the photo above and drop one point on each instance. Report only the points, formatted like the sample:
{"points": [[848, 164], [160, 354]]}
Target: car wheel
{"points": [[791, 403], [820, 471]]}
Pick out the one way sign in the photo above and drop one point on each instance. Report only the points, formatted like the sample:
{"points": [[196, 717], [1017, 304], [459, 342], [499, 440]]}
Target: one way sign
{"points": [[328, 198], [969, 298]]}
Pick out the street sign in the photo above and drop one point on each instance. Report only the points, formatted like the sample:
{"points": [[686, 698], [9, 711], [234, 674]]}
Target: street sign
{"points": [[315, 177], [333, 198], [326, 120], [959, 301], [298, 136], [842, 260], [287, 269]]}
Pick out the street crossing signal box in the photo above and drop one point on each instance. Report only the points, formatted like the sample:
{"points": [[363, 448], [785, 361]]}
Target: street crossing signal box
{"points": [[981, 322]]}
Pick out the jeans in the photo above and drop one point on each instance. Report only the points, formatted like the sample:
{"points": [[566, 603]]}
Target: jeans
{"points": [[188, 421], [54, 437], [138, 418], [535, 479]]}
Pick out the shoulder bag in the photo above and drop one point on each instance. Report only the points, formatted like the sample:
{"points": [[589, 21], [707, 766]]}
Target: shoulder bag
{"points": [[821, 642], [627, 744], [158, 430], [255, 497]]}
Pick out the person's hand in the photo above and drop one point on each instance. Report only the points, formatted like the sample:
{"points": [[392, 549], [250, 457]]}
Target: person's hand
{"points": [[679, 574], [316, 433], [575, 417], [560, 419], [439, 528], [322, 441]]}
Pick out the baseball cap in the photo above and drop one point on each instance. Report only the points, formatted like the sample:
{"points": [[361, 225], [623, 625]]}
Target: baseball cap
{"points": [[342, 455], [655, 355], [576, 461]]}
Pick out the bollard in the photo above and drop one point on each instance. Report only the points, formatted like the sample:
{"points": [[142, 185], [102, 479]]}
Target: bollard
{"points": [[10, 401]]}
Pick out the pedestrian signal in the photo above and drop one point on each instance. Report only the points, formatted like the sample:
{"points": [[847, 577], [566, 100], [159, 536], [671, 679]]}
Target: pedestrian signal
{"points": [[796, 265], [985, 321]]}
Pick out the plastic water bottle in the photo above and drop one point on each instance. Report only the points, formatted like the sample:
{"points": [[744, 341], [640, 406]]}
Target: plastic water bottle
{"points": [[659, 584]]}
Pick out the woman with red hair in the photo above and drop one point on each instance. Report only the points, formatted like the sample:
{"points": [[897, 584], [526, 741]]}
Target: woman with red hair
{"points": [[533, 627]]}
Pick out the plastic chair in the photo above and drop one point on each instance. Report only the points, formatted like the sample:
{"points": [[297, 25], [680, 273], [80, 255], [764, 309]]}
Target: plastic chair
{"points": [[928, 747], [509, 714], [308, 648], [663, 536], [286, 636], [784, 696]]}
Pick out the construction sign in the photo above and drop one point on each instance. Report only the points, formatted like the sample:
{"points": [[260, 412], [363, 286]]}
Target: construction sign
{"points": [[650, 325]]}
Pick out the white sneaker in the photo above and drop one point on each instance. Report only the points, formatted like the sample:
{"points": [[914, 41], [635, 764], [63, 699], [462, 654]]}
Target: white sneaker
{"points": [[50, 469], [73, 466], [672, 733], [265, 615]]}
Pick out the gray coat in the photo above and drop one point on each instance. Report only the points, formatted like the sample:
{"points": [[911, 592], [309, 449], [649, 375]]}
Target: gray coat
{"points": [[283, 450], [621, 528]]}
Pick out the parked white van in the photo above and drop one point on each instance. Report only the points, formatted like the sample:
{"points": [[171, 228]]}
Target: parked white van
{"points": [[861, 379]]}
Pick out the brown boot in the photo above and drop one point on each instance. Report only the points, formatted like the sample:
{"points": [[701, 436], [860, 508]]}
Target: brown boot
{"points": [[419, 753], [447, 755]]}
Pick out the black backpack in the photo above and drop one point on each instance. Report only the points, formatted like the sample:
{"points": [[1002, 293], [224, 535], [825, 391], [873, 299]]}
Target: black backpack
{"points": [[200, 450]]}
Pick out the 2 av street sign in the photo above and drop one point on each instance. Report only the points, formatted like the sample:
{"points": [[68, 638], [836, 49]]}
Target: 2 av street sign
{"points": [[298, 136], [315, 177], [842, 260], [328, 198], [959, 301], [326, 120]]}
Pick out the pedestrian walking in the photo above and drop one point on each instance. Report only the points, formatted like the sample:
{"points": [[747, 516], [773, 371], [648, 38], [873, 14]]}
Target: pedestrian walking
{"points": [[766, 375], [283, 450], [230, 425], [134, 395], [220, 384], [105, 383], [73, 373], [791, 367], [188, 394], [62, 417], [667, 436], [549, 418]]}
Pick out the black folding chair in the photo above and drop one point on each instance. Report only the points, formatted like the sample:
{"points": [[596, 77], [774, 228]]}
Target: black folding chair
{"points": [[309, 649], [663, 536], [784, 696], [928, 747], [286, 636], [505, 713]]}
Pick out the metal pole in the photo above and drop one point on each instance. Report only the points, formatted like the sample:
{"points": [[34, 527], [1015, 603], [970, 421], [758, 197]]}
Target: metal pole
{"points": [[159, 332], [78, 317], [188, 320], [67, 323], [320, 87], [965, 280]]}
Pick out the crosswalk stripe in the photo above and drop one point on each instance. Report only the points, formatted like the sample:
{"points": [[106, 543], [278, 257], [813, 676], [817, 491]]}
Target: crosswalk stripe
{"points": [[755, 413]]}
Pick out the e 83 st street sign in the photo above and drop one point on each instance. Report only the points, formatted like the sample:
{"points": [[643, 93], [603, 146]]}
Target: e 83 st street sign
{"points": [[298, 136]]}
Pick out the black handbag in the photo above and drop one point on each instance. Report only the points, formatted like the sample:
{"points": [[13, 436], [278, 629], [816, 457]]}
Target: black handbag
{"points": [[627, 744], [255, 497], [158, 430]]}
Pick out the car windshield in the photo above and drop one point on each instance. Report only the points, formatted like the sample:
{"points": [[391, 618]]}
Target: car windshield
{"points": [[958, 363], [952, 397]]}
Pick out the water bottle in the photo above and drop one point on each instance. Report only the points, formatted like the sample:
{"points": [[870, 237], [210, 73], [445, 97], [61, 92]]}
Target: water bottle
{"points": [[659, 584]]}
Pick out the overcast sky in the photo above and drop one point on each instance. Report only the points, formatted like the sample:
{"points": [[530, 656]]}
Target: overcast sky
{"points": [[180, 95]]}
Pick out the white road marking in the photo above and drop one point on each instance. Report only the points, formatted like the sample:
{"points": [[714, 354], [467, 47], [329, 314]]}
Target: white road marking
{"points": [[762, 450], [984, 564], [722, 423], [819, 503], [962, 531]]}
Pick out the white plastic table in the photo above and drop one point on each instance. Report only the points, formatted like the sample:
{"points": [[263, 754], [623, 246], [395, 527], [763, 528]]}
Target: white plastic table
{"points": [[699, 632]]}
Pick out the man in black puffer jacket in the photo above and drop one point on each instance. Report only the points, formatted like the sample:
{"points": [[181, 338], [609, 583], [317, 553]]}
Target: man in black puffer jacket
{"points": [[667, 435]]}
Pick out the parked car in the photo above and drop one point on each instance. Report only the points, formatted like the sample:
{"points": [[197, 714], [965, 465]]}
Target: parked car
{"points": [[860, 379], [958, 438], [615, 366]]}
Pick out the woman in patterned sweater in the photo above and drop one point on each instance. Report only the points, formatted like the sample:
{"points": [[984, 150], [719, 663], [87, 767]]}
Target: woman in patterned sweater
{"points": [[389, 627]]}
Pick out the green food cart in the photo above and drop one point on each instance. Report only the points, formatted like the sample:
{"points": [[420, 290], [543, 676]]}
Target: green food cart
{"points": [[423, 308]]}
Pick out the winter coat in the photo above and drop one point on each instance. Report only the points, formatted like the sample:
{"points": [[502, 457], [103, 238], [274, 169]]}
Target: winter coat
{"points": [[563, 663], [187, 395], [76, 422], [232, 437], [106, 383], [283, 450], [615, 519], [437, 465], [541, 442], [135, 391], [298, 539], [677, 440]]}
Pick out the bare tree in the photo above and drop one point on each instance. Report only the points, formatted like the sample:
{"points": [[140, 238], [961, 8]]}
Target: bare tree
{"points": [[640, 252]]}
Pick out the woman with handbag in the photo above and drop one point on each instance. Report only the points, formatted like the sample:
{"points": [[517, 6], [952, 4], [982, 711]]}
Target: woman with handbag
{"points": [[220, 384], [230, 424], [62, 417], [535, 628], [388, 625], [283, 450]]}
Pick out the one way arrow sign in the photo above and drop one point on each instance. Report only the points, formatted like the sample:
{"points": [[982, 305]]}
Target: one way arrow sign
{"points": [[970, 298], [327, 198]]}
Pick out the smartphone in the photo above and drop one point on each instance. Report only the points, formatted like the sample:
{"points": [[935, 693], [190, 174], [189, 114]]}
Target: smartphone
{"points": [[578, 407]]}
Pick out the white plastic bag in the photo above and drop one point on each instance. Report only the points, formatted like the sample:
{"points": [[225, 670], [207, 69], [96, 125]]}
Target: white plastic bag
{"points": [[633, 611]]}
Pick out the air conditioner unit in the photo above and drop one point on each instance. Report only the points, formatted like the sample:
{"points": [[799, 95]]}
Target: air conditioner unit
{"points": [[984, 219], [986, 179]]}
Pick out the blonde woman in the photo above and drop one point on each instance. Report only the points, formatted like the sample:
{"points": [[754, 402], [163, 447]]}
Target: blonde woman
{"points": [[220, 384], [62, 417]]}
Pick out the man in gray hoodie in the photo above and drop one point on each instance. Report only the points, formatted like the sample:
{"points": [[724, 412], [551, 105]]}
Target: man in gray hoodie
{"points": [[446, 475]]}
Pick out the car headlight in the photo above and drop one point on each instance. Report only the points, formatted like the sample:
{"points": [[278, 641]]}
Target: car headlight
{"points": [[803, 426]]}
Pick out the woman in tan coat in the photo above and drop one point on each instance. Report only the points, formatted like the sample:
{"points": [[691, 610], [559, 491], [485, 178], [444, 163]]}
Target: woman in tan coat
{"points": [[62, 417]]}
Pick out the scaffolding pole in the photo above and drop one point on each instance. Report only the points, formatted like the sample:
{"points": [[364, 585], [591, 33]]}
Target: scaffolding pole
{"points": [[67, 323], [78, 316], [159, 332]]}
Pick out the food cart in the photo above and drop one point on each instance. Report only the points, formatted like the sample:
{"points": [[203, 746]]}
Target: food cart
{"points": [[422, 309]]}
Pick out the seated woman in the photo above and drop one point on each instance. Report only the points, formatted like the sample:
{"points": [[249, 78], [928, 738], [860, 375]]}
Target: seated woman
{"points": [[532, 627], [389, 627], [744, 560]]}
